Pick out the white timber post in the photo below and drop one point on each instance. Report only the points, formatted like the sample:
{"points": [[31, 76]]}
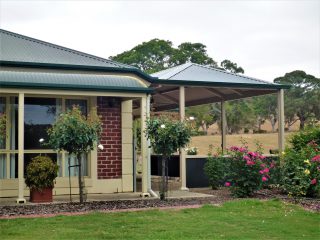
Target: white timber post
{"points": [[144, 147], [223, 127], [183, 166], [21, 198], [281, 141]]}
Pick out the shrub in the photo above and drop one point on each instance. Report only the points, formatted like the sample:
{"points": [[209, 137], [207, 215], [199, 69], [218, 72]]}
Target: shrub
{"points": [[41, 172], [248, 171], [192, 151], [301, 171], [300, 140], [215, 169]]}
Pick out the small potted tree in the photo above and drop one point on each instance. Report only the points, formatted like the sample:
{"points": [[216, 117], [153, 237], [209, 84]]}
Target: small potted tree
{"points": [[166, 137], [40, 176]]}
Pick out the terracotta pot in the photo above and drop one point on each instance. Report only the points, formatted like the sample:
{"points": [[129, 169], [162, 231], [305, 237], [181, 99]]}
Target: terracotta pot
{"points": [[45, 195]]}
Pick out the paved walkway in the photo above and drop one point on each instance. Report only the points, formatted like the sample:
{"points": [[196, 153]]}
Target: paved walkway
{"points": [[108, 197]]}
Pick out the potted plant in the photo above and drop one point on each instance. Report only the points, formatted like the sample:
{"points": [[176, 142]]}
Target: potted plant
{"points": [[40, 176]]}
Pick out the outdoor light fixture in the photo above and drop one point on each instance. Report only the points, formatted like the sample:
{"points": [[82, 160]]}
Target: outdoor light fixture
{"points": [[41, 140], [100, 146], [191, 118]]}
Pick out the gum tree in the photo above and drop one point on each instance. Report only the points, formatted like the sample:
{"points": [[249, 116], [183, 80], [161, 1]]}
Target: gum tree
{"points": [[75, 134], [166, 137]]}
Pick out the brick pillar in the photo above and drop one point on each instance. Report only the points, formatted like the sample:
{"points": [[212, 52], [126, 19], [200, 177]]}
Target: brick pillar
{"points": [[109, 159]]}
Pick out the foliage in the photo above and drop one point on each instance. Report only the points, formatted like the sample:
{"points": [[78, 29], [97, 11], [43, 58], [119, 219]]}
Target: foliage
{"points": [[301, 139], [191, 151], [231, 66], [2, 127], [302, 99], [76, 134], [301, 170], [216, 168], [203, 116], [157, 54], [248, 171], [41, 172], [167, 136]]}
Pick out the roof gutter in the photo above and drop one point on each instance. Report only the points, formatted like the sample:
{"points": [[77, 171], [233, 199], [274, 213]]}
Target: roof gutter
{"points": [[219, 84]]}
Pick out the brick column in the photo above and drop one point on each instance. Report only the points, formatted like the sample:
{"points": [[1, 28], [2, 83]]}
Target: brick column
{"points": [[110, 158]]}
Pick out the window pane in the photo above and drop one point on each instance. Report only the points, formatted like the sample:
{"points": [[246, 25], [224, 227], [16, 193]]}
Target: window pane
{"points": [[13, 165], [3, 166], [39, 115], [81, 103]]}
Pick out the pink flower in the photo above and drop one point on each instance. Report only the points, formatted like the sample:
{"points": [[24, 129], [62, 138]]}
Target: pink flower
{"points": [[262, 157], [314, 181], [247, 158], [262, 165], [253, 154], [261, 172], [316, 158], [249, 162], [242, 149], [264, 179], [266, 170], [227, 184], [234, 148], [272, 165]]}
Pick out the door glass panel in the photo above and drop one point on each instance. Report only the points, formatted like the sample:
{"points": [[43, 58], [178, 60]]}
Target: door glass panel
{"points": [[3, 166], [2, 123], [39, 115]]}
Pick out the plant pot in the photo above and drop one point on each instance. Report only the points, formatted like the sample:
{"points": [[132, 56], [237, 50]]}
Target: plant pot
{"points": [[37, 196]]}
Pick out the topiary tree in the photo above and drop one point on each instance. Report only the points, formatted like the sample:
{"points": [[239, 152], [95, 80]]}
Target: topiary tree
{"points": [[166, 137], [76, 134]]}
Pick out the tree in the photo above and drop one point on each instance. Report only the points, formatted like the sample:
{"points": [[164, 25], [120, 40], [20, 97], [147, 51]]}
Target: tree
{"points": [[231, 66], [203, 116], [265, 107], [75, 134], [303, 98], [156, 55], [166, 136]]}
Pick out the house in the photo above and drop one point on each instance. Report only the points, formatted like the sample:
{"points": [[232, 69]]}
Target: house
{"points": [[39, 80]]}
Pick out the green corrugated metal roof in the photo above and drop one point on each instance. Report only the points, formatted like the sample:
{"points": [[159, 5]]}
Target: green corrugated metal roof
{"points": [[72, 81], [19, 48]]}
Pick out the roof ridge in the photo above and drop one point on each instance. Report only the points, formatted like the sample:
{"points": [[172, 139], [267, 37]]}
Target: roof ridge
{"points": [[238, 75], [70, 50], [189, 64]]}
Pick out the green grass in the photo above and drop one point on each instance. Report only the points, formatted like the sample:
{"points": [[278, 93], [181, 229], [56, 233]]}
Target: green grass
{"points": [[245, 219]]}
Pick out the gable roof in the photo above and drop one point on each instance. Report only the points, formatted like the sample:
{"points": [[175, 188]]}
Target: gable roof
{"points": [[19, 48], [200, 75]]}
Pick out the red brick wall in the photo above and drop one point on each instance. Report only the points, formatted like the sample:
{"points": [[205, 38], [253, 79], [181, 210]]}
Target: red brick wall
{"points": [[109, 159]]}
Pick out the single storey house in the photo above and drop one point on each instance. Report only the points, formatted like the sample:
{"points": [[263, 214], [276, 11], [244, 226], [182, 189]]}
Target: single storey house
{"points": [[39, 80]]}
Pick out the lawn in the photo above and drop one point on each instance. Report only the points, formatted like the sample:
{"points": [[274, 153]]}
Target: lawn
{"points": [[245, 219], [268, 140]]}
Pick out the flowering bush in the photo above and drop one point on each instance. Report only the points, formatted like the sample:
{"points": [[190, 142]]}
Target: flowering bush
{"points": [[192, 151], [301, 171], [248, 171]]}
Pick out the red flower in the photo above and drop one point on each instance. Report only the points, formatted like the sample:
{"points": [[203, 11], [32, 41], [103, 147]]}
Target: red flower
{"points": [[266, 170], [227, 184], [249, 162], [314, 181], [264, 179], [316, 158]]}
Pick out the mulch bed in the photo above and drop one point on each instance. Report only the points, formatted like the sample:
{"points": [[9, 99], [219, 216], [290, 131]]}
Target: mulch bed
{"points": [[74, 208], [52, 209]]}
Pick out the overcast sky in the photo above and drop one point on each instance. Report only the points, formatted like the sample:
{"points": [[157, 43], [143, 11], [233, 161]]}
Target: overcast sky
{"points": [[266, 38]]}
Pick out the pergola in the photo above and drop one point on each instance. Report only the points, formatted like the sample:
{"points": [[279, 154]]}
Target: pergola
{"points": [[192, 84]]}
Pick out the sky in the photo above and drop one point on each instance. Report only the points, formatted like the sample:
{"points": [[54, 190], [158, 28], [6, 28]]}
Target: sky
{"points": [[266, 38]]}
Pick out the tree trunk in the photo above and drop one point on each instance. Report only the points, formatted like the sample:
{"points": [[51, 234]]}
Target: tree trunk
{"points": [[163, 184], [302, 122], [80, 179]]}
